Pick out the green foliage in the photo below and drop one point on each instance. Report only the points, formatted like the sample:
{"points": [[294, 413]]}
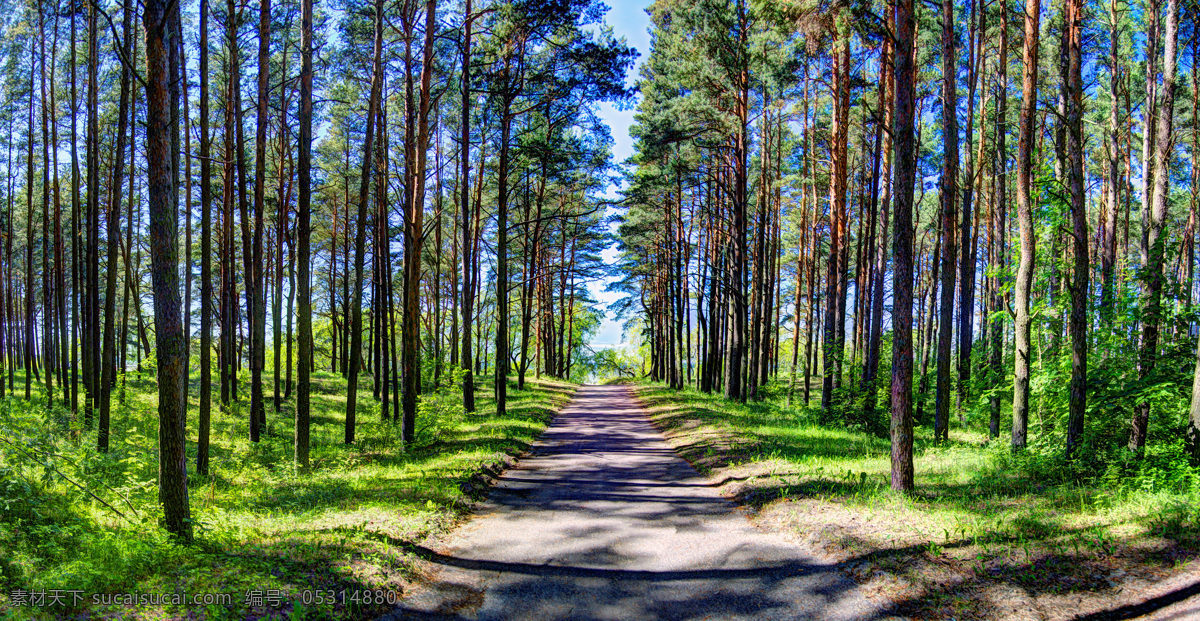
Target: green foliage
{"points": [[606, 364], [259, 526], [437, 413]]}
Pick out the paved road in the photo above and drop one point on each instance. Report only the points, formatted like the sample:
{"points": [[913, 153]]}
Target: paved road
{"points": [[604, 521]]}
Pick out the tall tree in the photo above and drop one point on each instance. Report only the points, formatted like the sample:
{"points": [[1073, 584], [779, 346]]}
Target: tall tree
{"points": [[91, 314], [303, 239], [360, 235], [904, 26], [1153, 240], [468, 256], [255, 279], [161, 123], [950, 224], [109, 362], [206, 285], [834, 347], [414, 229], [1073, 41], [1024, 283]]}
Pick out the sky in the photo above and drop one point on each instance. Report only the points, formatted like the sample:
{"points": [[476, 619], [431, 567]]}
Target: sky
{"points": [[629, 20]]}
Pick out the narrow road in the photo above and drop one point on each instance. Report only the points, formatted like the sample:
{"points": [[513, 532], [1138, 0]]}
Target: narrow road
{"points": [[604, 521]]}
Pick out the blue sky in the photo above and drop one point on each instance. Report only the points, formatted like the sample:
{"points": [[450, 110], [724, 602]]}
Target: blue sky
{"points": [[628, 19]]}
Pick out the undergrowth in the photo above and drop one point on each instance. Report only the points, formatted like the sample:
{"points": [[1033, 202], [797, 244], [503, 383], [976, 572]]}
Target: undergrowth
{"points": [[79, 528]]}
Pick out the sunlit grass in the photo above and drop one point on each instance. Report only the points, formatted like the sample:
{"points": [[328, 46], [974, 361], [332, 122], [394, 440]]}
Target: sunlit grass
{"points": [[346, 526]]}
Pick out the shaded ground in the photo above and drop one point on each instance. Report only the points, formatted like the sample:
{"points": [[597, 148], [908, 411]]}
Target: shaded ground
{"points": [[972, 543], [605, 521]]}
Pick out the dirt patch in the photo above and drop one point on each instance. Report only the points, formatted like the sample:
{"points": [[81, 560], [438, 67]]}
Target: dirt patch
{"points": [[931, 577]]}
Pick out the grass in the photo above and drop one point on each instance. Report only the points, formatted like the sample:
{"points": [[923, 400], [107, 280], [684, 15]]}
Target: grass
{"points": [[980, 526], [269, 543]]}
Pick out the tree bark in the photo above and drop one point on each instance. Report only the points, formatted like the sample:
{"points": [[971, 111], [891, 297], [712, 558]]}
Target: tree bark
{"points": [[91, 346], [966, 286], [1000, 222], [1193, 428], [833, 349], [886, 90]]}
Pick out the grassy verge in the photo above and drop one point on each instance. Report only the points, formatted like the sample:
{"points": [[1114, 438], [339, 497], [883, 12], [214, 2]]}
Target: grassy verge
{"points": [[983, 537], [270, 544]]}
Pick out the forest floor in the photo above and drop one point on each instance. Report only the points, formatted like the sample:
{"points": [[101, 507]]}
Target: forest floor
{"points": [[336, 543], [979, 539]]}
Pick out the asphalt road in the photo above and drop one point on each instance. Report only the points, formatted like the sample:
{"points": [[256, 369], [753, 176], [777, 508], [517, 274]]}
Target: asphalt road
{"points": [[605, 521]]}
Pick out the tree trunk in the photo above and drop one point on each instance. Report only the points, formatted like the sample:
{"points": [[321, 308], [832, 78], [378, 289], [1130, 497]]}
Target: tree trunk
{"points": [[1000, 224], [360, 234], [950, 224], [1025, 223], [109, 361], [833, 350], [161, 125], [48, 347], [31, 362], [281, 228], [303, 234], [206, 284], [1108, 220], [966, 287], [902, 256], [1079, 288], [91, 345], [256, 281], [468, 290], [1193, 428], [871, 367], [413, 230], [500, 380], [735, 358]]}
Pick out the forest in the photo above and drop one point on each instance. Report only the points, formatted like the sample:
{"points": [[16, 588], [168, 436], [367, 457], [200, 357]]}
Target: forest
{"points": [[272, 267], [1003, 196]]}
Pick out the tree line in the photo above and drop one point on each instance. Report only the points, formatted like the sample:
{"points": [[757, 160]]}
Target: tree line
{"points": [[406, 191], [817, 182]]}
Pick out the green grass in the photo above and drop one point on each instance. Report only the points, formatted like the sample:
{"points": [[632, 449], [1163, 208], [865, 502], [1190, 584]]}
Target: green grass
{"points": [[979, 516], [344, 528]]}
